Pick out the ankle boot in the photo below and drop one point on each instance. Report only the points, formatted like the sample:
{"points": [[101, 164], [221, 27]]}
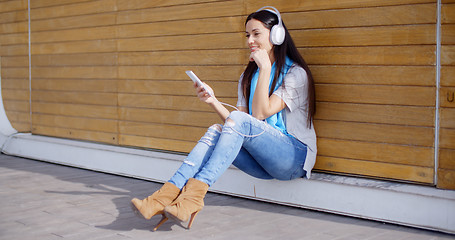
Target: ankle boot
{"points": [[155, 203], [189, 202]]}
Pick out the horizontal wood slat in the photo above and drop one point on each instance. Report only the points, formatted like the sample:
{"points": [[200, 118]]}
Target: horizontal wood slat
{"points": [[15, 16], [139, 4], [221, 89], [95, 33], [447, 97], [89, 111], [23, 117], [447, 117], [185, 57], [90, 46], [50, 3], [12, 39], [14, 61], [448, 55], [10, 6], [179, 12], [384, 75], [294, 6], [16, 72], [225, 73], [164, 131], [14, 94], [102, 19], [156, 143], [77, 85], [356, 17], [173, 117], [447, 138], [95, 136], [75, 60], [96, 98], [378, 152], [15, 83], [446, 179], [85, 72], [162, 102], [447, 73], [380, 170], [393, 95], [448, 13], [14, 50], [18, 106], [448, 34], [447, 158], [187, 42], [370, 113], [379, 133], [372, 36], [417, 55], [83, 8], [182, 27], [78, 123]]}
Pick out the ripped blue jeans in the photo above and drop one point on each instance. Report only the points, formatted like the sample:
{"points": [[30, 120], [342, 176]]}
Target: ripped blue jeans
{"points": [[251, 145]]}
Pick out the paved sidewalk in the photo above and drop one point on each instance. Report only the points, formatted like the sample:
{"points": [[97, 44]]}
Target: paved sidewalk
{"points": [[40, 200]]}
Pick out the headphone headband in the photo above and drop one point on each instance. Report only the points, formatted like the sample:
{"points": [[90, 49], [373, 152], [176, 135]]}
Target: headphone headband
{"points": [[274, 11]]}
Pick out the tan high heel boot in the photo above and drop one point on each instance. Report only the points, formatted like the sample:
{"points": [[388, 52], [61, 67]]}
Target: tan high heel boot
{"points": [[155, 203], [189, 202]]}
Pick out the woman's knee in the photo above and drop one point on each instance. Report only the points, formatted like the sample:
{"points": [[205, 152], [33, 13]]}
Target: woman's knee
{"points": [[236, 117], [211, 136]]}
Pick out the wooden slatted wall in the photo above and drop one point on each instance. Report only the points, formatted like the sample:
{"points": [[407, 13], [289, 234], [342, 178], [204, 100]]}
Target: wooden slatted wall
{"points": [[374, 65], [112, 71], [157, 43], [15, 62], [446, 169], [74, 69]]}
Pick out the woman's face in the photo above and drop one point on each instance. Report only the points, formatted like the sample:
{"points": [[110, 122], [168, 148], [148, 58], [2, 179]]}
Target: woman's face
{"points": [[258, 36]]}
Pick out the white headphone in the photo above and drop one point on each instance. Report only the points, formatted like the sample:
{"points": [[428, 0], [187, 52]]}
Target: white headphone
{"points": [[277, 32]]}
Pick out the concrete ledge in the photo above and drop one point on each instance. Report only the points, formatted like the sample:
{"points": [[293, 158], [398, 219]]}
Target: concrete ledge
{"points": [[405, 204]]}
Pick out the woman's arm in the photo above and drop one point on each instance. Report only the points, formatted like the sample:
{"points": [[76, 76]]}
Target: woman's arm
{"points": [[264, 106]]}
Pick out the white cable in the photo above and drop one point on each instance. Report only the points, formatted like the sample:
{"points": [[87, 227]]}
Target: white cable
{"points": [[229, 105], [241, 134]]}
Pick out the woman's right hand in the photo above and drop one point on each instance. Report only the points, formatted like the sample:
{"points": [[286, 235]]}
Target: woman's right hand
{"points": [[205, 93]]}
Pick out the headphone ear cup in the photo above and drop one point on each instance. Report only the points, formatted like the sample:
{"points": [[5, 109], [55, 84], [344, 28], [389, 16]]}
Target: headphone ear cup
{"points": [[277, 35]]}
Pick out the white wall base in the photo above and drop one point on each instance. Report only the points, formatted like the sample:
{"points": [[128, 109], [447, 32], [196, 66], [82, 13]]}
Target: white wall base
{"points": [[405, 204]]}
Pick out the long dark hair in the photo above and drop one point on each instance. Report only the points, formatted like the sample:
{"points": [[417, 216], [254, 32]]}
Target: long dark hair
{"points": [[280, 52]]}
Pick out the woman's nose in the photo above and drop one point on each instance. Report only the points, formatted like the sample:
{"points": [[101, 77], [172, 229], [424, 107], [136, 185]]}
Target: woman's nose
{"points": [[250, 40]]}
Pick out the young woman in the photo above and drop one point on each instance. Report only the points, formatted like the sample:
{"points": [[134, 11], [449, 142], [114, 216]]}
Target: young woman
{"points": [[270, 137]]}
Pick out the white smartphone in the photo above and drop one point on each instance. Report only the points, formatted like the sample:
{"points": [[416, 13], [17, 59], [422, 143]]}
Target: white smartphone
{"points": [[196, 80]]}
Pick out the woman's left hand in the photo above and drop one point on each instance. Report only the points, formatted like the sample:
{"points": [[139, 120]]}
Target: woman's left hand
{"points": [[261, 57]]}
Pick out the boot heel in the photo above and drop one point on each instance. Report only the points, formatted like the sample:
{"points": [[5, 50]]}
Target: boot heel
{"points": [[193, 215], [163, 220]]}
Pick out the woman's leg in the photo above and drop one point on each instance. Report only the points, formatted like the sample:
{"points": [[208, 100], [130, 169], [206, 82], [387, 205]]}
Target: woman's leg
{"points": [[238, 129], [281, 156], [245, 162], [197, 157]]}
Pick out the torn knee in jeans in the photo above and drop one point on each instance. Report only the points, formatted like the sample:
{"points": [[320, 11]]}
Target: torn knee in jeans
{"points": [[211, 135], [189, 162], [216, 127], [230, 123]]}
